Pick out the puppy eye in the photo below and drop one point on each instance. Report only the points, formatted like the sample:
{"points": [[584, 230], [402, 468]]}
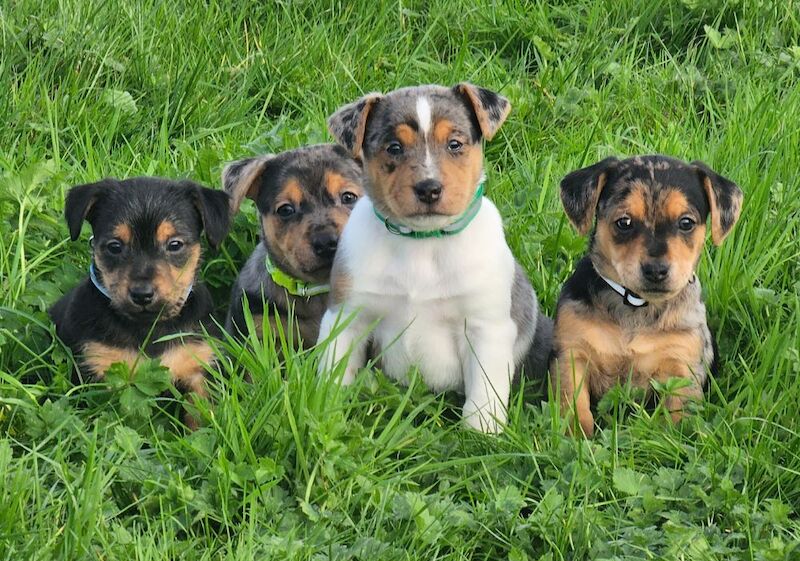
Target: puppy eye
{"points": [[394, 148], [114, 247], [455, 145], [174, 245], [349, 198], [285, 211], [624, 224], [686, 224]]}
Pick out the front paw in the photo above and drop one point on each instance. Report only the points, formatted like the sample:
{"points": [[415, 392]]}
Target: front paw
{"points": [[581, 424], [484, 419]]}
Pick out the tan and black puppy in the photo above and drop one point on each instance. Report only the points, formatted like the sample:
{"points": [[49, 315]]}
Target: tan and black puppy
{"points": [[142, 283], [304, 198], [633, 307]]}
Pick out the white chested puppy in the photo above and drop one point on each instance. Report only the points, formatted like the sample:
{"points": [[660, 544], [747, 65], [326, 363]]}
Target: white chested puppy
{"points": [[423, 275]]}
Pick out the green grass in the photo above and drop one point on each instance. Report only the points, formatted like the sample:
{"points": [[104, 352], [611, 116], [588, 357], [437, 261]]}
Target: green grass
{"points": [[290, 467]]}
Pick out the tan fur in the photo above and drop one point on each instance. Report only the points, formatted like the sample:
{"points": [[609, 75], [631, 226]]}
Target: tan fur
{"points": [[341, 283], [393, 182], [405, 134], [622, 263], [171, 283], [98, 358], [586, 222], [606, 354], [165, 231], [117, 281], [336, 184], [488, 128], [186, 365], [123, 233], [247, 185], [717, 233]]}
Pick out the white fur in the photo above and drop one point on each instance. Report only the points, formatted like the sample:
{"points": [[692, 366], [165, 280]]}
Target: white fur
{"points": [[425, 121], [424, 115], [441, 304]]}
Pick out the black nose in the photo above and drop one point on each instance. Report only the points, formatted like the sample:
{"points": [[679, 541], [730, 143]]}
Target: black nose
{"points": [[428, 191], [655, 271], [141, 294], [324, 245]]}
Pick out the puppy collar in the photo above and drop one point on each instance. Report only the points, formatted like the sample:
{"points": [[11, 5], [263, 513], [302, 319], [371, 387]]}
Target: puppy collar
{"points": [[96, 282], [101, 287], [629, 297], [457, 226], [294, 286]]}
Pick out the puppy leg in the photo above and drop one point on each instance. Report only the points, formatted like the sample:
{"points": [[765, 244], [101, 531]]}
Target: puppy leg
{"points": [[488, 374], [349, 335], [573, 370], [675, 401], [186, 364]]}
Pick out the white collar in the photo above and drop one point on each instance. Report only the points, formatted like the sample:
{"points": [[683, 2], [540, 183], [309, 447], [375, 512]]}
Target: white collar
{"points": [[630, 298]]}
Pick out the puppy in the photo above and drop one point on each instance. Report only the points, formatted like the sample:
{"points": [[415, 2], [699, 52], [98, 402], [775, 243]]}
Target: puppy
{"points": [[424, 259], [304, 198], [633, 306], [142, 283]]}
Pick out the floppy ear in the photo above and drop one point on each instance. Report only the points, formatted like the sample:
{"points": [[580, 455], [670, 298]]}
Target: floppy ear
{"points": [[213, 208], [724, 201], [240, 179], [490, 108], [80, 202], [580, 191], [349, 123]]}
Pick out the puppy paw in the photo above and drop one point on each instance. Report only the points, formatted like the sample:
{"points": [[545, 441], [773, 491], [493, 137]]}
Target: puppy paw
{"points": [[483, 419]]}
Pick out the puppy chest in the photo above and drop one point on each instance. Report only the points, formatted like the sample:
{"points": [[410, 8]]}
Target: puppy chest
{"points": [[614, 353]]}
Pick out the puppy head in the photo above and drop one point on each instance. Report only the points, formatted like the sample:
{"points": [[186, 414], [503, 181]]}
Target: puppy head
{"points": [[651, 218], [421, 148], [304, 197], [146, 243]]}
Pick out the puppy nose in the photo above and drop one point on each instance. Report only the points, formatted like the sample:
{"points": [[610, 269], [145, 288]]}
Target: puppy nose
{"points": [[141, 294], [324, 245], [655, 271], [428, 191]]}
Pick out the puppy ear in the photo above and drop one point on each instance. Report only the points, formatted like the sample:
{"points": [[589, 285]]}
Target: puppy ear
{"points": [[349, 123], [491, 109], [240, 179], [724, 200], [213, 208], [79, 204], [580, 191]]}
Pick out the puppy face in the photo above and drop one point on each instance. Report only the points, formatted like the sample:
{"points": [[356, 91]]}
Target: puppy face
{"points": [[421, 147], [146, 244], [651, 218], [304, 197]]}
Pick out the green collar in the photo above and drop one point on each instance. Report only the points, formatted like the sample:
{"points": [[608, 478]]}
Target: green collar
{"points": [[294, 286], [457, 226]]}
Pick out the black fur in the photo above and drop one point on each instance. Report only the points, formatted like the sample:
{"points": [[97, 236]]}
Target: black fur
{"points": [[84, 315]]}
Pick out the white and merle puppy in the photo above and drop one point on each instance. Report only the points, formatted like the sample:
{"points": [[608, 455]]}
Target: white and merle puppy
{"points": [[304, 198], [424, 259]]}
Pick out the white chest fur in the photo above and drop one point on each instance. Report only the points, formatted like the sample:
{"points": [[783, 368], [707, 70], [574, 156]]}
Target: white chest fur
{"points": [[440, 304]]}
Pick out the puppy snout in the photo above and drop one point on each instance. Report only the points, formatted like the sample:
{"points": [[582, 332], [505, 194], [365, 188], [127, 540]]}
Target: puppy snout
{"points": [[655, 271], [428, 191], [141, 294], [324, 245]]}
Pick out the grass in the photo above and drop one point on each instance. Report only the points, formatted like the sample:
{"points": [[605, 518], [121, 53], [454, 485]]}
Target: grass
{"points": [[291, 467]]}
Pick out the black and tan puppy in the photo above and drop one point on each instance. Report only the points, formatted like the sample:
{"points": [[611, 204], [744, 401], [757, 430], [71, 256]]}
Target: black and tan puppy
{"points": [[304, 198], [633, 307], [142, 284]]}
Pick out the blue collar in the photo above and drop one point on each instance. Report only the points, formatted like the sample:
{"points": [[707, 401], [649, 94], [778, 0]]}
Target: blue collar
{"points": [[96, 282], [104, 291]]}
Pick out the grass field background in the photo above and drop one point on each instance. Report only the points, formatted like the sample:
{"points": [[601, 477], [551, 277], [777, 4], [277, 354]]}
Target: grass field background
{"points": [[290, 467]]}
